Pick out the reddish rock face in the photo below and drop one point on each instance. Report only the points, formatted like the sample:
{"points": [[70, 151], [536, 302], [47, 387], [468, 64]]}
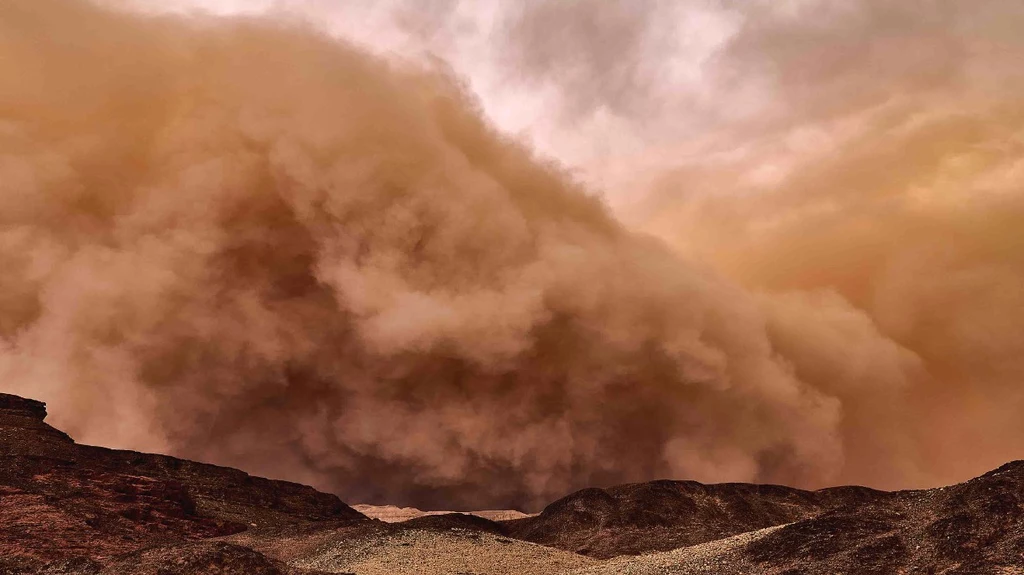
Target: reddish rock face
{"points": [[23, 432], [61, 502], [79, 510], [19, 406], [972, 527]]}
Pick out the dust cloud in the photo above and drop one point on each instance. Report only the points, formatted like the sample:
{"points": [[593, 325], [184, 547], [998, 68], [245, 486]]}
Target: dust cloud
{"points": [[243, 241], [884, 168]]}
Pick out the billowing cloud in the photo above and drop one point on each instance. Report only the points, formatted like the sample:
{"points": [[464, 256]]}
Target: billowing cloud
{"points": [[244, 241], [886, 167]]}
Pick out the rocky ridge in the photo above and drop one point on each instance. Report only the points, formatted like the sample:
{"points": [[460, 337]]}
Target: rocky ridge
{"points": [[72, 509], [661, 515], [63, 502]]}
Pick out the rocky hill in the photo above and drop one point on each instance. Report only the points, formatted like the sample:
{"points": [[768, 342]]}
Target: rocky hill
{"points": [[973, 528], [62, 502], [72, 509], [661, 515]]}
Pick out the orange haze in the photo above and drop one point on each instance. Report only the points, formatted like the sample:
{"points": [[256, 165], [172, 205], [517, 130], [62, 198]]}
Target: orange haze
{"points": [[241, 241]]}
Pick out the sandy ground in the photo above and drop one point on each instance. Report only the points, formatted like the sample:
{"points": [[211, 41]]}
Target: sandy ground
{"points": [[464, 552], [452, 552], [392, 514]]}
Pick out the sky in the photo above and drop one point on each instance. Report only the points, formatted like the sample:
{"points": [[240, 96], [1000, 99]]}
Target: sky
{"points": [[479, 254], [586, 118]]}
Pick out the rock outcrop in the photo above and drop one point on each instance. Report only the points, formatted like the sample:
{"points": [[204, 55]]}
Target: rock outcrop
{"points": [[972, 526], [62, 503], [661, 515]]}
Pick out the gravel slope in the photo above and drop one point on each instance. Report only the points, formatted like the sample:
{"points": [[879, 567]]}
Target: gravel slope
{"points": [[429, 552], [720, 556]]}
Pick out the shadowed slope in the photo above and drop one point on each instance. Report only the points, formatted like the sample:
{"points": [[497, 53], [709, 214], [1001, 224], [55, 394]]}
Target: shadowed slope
{"points": [[976, 527], [60, 501], [662, 515], [972, 527]]}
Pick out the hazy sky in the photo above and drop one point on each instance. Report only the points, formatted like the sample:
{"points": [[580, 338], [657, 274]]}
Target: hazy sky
{"points": [[542, 89]]}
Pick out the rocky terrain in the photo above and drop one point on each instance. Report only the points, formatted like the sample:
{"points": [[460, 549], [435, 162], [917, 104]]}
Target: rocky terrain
{"points": [[389, 549], [974, 528], [79, 508], [663, 515], [69, 509]]}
